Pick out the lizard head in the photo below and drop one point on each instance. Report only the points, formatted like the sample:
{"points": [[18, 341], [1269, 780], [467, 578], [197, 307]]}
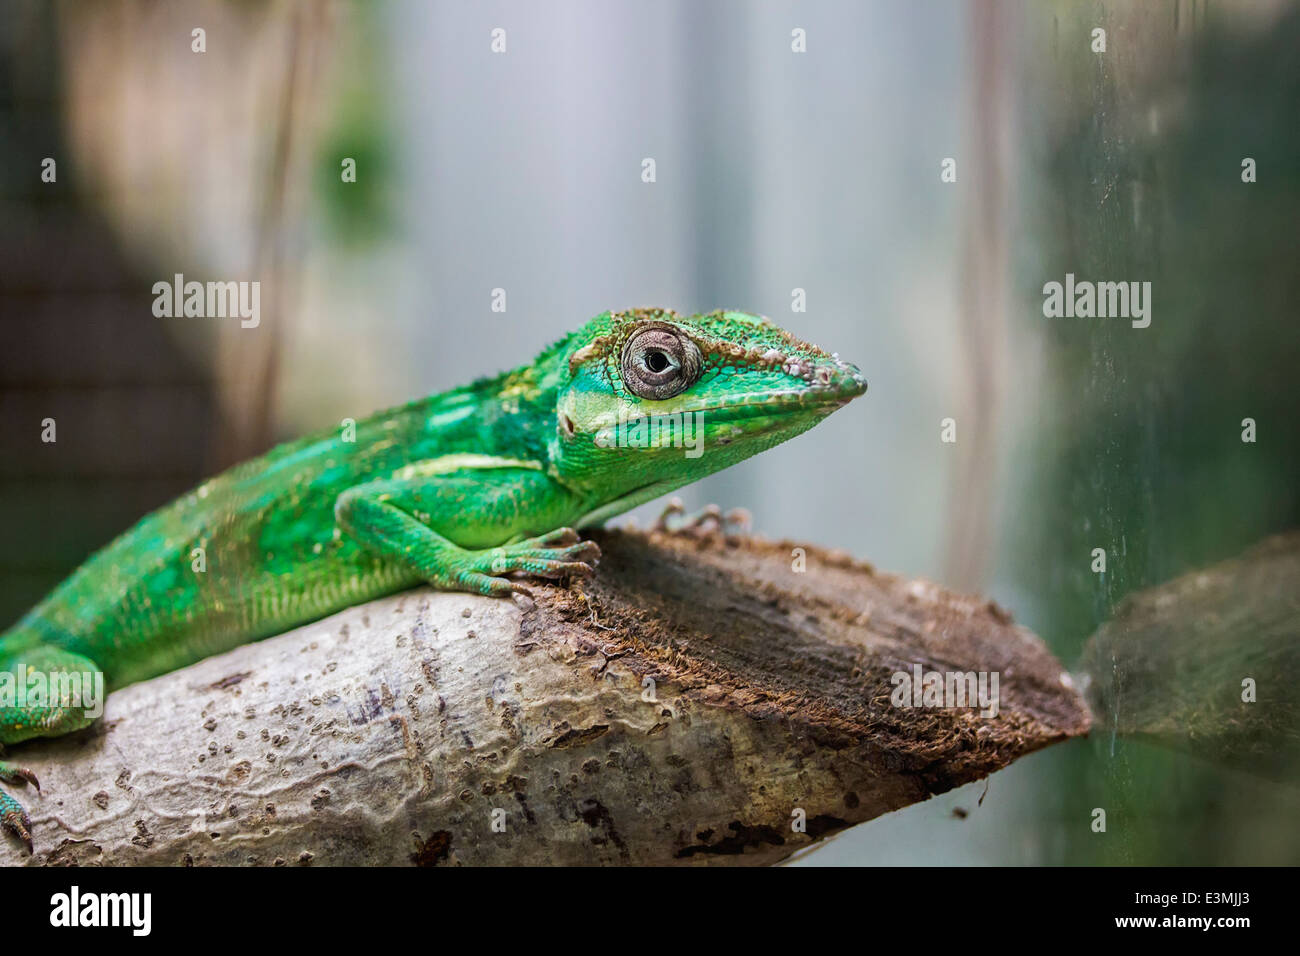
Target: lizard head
{"points": [[648, 397]]}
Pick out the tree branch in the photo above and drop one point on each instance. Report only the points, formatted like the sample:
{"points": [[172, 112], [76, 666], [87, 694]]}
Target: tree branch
{"points": [[691, 703]]}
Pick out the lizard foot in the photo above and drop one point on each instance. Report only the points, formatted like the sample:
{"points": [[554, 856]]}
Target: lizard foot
{"points": [[675, 520], [14, 819], [540, 561], [558, 554]]}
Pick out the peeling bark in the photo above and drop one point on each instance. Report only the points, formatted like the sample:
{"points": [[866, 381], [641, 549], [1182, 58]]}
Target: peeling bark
{"points": [[686, 705]]}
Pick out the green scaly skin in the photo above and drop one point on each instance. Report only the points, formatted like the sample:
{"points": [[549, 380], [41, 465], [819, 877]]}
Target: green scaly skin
{"points": [[464, 490]]}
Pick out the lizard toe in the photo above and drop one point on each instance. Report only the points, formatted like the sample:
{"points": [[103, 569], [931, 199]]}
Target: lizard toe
{"points": [[12, 773], [15, 820], [539, 565], [560, 537]]}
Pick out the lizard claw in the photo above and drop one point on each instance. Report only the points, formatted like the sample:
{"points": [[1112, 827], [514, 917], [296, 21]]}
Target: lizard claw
{"points": [[559, 538], [559, 554], [739, 518], [15, 819], [675, 520], [672, 509], [10, 773]]}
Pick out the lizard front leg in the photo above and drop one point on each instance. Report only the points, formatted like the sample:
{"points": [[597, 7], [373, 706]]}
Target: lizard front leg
{"points": [[461, 530]]}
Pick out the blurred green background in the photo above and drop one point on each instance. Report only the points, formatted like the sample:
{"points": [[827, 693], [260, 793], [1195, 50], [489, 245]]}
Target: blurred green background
{"points": [[776, 171]]}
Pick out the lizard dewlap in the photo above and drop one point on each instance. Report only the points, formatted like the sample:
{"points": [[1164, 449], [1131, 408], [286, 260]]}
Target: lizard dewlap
{"points": [[469, 490]]}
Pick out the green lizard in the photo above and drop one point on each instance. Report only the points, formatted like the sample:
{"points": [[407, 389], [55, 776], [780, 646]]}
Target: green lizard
{"points": [[463, 490]]}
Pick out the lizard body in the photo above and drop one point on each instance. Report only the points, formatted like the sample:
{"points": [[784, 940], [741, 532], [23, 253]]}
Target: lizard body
{"points": [[458, 490]]}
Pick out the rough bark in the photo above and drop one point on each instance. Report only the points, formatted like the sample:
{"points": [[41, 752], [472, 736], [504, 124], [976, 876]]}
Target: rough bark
{"points": [[397, 732]]}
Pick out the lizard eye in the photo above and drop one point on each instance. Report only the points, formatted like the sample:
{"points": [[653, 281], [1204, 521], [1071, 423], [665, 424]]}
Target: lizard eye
{"points": [[658, 363]]}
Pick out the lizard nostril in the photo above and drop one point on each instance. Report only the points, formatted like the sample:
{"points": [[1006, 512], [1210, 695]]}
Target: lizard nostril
{"points": [[566, 425]]}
